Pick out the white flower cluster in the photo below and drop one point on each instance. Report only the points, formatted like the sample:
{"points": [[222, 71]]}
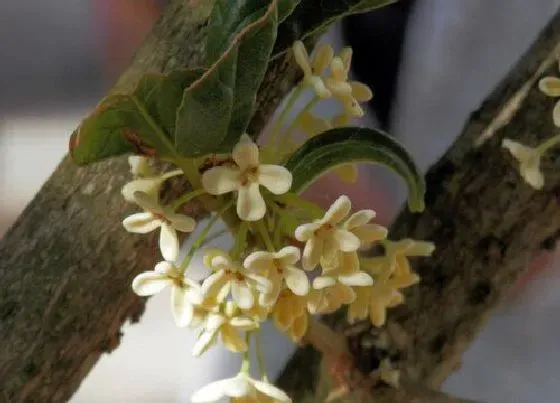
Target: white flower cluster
{"points": [[269, 277], [529, 158]]}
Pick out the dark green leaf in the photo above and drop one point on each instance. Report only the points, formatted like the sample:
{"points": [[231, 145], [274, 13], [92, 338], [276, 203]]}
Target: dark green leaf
{"points": [[355, 144], [313, 17], [217, 107], [140, 123]]}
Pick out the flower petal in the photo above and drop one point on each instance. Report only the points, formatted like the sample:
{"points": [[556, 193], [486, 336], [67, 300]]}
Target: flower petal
{"points": [[221, 179], [181, 306], [338, 210], [168, 242], [243, 324], [344, 294], [147, 202], [322, 58], [250, 203], [360, 279], [369, 233], [242, 295], [259, 262], [346, 241], [275, 178], [299, 327], [204, 342], [360, 91], [297, 281], [271, 391], [359, 218], [323, 282], [338, 69], [288, 255], [210, 393], [550, 86], [213, 284], [149, 186], [532, 175], [312, 253], [246, 153], [166, 268], [233, 342], [182, 222], [306, 231], [302, 57], [150, 283], [141, 223], [318, 85], [556, 114]]}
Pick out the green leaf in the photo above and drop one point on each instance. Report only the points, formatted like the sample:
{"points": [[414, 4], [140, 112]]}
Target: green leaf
{"points": [[216, 108], [314, 17], [140, 123], [355, 144]]}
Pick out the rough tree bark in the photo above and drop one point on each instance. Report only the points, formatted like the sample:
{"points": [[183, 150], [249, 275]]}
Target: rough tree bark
{"points": [[487, 224], [66, 264]]}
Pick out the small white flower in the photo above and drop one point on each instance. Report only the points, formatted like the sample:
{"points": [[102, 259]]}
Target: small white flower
{"points": [[245, 177], [156, 216], [230, 276], [326, 237], [313, 69], [349, 93], [241, 388], [185, 293], [140, 166], [227, 324], [346, 272], [529, 162], [148, 184], [279, 268]]}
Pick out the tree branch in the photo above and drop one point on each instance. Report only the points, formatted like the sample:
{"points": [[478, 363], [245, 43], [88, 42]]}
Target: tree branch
{"points": [[487, 224], [66, 265]]}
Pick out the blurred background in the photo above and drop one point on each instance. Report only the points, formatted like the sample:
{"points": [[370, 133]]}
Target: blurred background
{"points": [[433, 62]]}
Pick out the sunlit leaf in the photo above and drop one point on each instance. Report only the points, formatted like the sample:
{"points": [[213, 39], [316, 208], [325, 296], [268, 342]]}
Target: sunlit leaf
{"points": [[355, 144]]}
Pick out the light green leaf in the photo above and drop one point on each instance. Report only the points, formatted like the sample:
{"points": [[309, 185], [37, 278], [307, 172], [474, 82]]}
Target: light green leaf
{"points": [[139, 123], [355, 144], [314, 17], [216, 108]]}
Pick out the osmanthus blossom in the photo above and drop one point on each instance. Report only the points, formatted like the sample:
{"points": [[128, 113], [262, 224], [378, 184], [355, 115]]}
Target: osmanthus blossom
{"points": [[227, 323], [245, 176], [240, 389], [156, 216], [230, 277], [279, 268], [349, 93], [185, 293], [290, 314], [149, 184], [529, 162], [326, 237], [329, 299], [313, 69], [551, 87]]}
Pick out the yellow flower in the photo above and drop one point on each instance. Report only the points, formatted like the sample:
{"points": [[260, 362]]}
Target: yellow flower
{"points": [[349, 93], [245, 177], [551, 87], [330, 299], [147, 184], [313, 69], [529, 162], [230, 276], [280, 269], [290, 314], [241, 388], [326, 237], [227, 324]]}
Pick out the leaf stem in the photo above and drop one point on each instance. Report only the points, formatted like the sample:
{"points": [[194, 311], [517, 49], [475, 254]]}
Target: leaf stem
{"points": [[186, 198], [260, 356], [290, 103], [306, 109], [265, 235], [548, 143]]}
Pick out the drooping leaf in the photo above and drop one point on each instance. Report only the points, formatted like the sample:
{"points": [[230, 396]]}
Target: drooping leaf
{"points": [[355, 144], [286, 8], [217, 107], [313, 17], [142, 122]]}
